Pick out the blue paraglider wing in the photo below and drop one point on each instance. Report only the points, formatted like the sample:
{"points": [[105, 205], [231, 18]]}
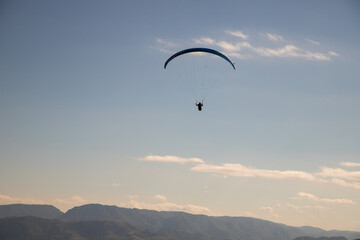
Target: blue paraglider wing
{"points": [[207, 50]]}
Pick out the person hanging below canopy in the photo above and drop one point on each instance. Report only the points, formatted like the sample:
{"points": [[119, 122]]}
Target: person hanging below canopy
{"points": [[199, 105]]}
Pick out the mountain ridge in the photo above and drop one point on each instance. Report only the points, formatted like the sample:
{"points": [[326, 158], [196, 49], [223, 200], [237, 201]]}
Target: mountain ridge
{"points": [[36, 210], [35, 228], [181, 225]]}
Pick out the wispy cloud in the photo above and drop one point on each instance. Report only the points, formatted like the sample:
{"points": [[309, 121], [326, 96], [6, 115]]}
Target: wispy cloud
{"points": [[238, 170], [165, 46], [339, 173], [62, 203], [166, 43], [350, 164], [343, 183], [302, 208], [334, 54], [311, 197], [312, 41], [5, 199], [160, 197], [204, 41], [337, 176], [71, 201], [271, 211], [247, 49], [290, 51], [241, 47], [238, 34], [168, 206], [274, 37], [170, 159]]}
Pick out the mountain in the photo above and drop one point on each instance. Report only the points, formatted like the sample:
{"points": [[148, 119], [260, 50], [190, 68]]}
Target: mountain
{"points": [[112, 222], [318, 232], [320, 238], [33, 228], [20, 210], [179, 225]]}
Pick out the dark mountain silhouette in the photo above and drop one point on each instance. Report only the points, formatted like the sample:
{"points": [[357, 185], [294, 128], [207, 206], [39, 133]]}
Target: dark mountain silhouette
{"points": [[33, 228], [179, 225], [320, 238], [111, 222], [36, 210]]}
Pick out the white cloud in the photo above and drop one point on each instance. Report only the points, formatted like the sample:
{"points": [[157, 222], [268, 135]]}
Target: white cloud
{"points": [[241, 47], [339, 173], [302, 208], [290, 51], [331, 53], [238, 170], [71, 201], [166, 43], [270, 210], [132, 197], [165, 46], [115, 185], [4, 199], [238, 34], [204, 41], [274, 37], [308, 196], [160, 197], [350, 164], [336, 176], [229, 47], [61, 203], [312, 41], [343, 183], [247, 50], [170, 159], [339, 177], [169, 206]]}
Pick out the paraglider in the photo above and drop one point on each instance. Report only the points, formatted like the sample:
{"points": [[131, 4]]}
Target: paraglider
{"points": [[199, 104]]}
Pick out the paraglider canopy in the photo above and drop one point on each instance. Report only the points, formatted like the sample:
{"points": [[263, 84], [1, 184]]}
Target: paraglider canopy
{"points": [[207, 50]]}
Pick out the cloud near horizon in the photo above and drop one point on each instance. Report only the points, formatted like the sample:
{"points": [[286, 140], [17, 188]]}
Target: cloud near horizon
{"points": [[5, 199], [350, 164], [165, 205], [335, 176], [238, 170], [62, 203], [170, 159], [311, 197]]}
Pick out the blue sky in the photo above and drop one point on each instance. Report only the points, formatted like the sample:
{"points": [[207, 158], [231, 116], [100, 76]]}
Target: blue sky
{"points": [[88, 114]]}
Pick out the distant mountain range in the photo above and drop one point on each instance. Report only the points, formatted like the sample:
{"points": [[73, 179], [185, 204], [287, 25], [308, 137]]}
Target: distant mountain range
{"points": [[34, 228], [20, 210], [320, 238], [95, 221]]}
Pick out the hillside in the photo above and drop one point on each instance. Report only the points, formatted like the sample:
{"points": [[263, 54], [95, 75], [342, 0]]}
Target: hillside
{"points": [[36, 210], [33, 228], [112, 222], [178, 225], [320, 238]]}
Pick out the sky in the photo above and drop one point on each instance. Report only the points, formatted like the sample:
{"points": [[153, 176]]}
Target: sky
{"points": [[90, 115]]}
